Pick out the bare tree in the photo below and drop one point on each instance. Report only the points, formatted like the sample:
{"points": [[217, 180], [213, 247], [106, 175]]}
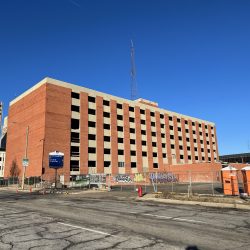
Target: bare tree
{"points": [[14, 170]]}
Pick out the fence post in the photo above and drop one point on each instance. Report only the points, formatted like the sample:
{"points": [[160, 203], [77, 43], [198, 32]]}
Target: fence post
{"points": [[212, 183], [190, 183]]}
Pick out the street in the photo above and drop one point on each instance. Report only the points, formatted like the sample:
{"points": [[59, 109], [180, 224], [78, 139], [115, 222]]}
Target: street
{"points": [[114, 220]]}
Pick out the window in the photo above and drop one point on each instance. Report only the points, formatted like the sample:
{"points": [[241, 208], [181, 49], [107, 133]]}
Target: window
{"points": [[91, 137], [144, 143], [171, 127], [120, 140], [121, 164], [164, 155], [91, 164], [143, 122], [91, 124], [75, 108], [187, 139], [106, 126], [162, 125], [179, 129], [155, 165], [91, 111], [206, 134], [153, 144], [163, 145], [143, 132], [132, 153], [91, 99], [162, 135], [161, 116], [119, 106], [195, 140], [152, 114], [178, 120], [172, 146], [144, 153], [106, 114], [75, 123], [201, 141], [107, 164], [106, 138], [188, 148], [75, 95], [181, 157], [119, 128], [205, 126], [153, 133], [132, 141], [131, 109], [119, 117], [91, 150], [120, 152], [193, 123], [203, 158], [142, 112], [180, 138], [154, 154], [186, 122], [193, 132], [132, 130], [172, 137], [208, 150], [207, 142], [133, 164], [131, 119], [186, 130], [209, 158], [189, 157], [74, 151], [75, 137], [106, 151], [74, 165], [196, 158], [105, 103], [180, 147], [200, 133], [153, 124], [170, 118], [199, 125], [195, 149], [202, 149]]}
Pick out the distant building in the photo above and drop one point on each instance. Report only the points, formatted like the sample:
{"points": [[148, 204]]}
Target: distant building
{"points": [[236, 158], [3, 137], [2, 162], [101, 133]]}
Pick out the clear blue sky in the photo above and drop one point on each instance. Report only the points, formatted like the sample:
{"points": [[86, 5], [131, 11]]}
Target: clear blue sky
{"points": [[192, 57]]}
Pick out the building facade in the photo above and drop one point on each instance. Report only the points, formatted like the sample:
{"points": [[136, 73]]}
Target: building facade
{"points": [[101, 133], [2, 163]]}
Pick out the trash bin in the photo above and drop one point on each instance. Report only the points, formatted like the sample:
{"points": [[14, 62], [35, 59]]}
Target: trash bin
{"points": [[246, 179], [230, 181]]}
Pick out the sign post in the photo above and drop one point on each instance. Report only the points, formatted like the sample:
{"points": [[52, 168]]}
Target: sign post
{"points": [[56, 159]]}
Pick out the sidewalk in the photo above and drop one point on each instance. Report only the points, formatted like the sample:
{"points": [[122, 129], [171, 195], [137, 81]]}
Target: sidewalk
{"points": [[150, 197]]}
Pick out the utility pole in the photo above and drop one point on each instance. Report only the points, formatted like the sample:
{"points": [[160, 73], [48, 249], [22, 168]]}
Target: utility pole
{"points": [[133, 73], [26, 154]]}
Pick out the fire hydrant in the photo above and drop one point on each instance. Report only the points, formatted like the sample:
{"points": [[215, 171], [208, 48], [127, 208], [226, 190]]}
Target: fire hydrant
{"points": [[139, 191]]}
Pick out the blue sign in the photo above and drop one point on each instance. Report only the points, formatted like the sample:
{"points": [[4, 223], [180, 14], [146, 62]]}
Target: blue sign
{"points": [[56, 159]]}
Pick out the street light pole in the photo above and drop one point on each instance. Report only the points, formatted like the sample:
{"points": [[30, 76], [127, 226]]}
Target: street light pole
{"points": [[26, 154]]}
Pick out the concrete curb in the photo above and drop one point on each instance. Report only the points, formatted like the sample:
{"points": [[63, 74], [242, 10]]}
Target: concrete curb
{"points": [[205, 204]]}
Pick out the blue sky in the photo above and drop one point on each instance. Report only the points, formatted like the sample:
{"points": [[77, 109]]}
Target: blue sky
{"points": [[192, 57]]}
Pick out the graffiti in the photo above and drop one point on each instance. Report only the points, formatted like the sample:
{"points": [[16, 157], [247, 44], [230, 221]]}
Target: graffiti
{"points": [[162, 177], [97, 178], [139, 178], [123, 178]]}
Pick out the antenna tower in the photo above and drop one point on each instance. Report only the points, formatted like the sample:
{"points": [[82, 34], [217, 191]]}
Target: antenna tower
{"points": [[133, 72]]}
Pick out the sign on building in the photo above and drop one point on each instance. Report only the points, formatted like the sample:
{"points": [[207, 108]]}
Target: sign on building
{"points": [[25, 162]]}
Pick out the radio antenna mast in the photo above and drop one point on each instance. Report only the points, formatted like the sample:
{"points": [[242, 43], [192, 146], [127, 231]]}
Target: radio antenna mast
{"points": [[133, 73]]}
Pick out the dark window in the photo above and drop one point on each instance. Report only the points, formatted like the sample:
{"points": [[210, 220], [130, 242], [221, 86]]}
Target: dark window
{"points": [[132, 141], [106, 151], [200, 133], [161, 116], [199, 125], [119, 128], [119, 117], [91, 163], [74, 165], [91, 137], [188, 148], [179, 129], [121, 164], [75, 137], [91, 111], [131, 109], [131, 119], [172, 137], [171, 127], [75, 108], [187, 139], [106, 114], [180, 138], [180, 147], [206, 134], [178, 120], [106, 126], [120, 152], [196, 158], [74, 151], [106, 138], [181, 157], [203, 158], [133, 164], [132, 130], [105, 103], [142, 111], [75, 95], [120, 140], [154, 154], [193, 123], [186, 130], [205, 126], [186, 122], [193, 132], [106, 164], [143, 132], [75, 123], [202, 149], [164, 155], [153, 133], [195, 140], [91, 99], [162, 135], [162, 125], [209, 158], [119, 106], [143, 122], [144, 153], [155, 165], [212, 128], [163, 145], [172, 146], [144, 143], [91, 124], [208, 150], [153, 144], [132, 152], [207, 142], [91, 150], [152, 114], [170, 118], [153, 124], [195, 149], [189, 157], [201, 141]]}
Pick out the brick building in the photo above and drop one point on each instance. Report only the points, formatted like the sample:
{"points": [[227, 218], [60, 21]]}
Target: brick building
{"points": [[101, 133]]}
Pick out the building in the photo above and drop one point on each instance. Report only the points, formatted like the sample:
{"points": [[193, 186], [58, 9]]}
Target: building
{"points": [[101, 133], [3, 136], [243, 158], [2, 162]]}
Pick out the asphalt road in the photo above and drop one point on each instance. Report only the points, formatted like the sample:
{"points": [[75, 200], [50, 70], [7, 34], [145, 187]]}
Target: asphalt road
{"points": [[114, 220]]}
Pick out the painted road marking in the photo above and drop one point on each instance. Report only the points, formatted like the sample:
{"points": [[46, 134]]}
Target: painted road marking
{"points": [[86, 229], [171, 218]]}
